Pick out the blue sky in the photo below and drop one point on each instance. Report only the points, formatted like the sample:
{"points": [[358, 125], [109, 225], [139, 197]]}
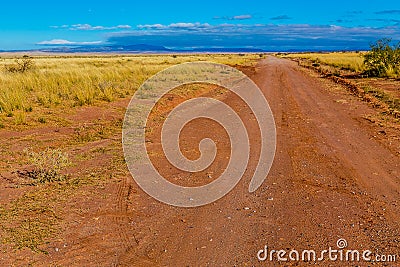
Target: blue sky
{"points": [[191, 24]]}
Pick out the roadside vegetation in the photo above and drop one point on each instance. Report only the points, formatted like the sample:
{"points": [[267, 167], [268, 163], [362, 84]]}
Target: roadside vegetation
{"points": [[352, 61], [382, 60], [371, 75]]}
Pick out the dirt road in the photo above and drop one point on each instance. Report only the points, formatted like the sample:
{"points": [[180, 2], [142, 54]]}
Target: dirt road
{"points": [[331, 179], [335, 175]]}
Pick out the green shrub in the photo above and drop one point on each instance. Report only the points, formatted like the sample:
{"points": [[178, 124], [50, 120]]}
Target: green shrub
{"points": [[383, 60]]}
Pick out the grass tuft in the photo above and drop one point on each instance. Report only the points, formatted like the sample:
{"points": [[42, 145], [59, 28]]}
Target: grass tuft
{"points": [[48, 165]]}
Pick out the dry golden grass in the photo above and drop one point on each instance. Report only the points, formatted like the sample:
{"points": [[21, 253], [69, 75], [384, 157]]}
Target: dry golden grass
{"points": [[71, 164], [85, 80], [349, 60]]}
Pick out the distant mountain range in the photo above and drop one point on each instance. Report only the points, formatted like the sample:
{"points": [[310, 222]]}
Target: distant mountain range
{"points": [[135, 48], [107, 49], [146, 48]]}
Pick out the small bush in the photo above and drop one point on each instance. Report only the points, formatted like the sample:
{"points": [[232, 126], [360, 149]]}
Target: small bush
{"points": [[20, 65], [48, 165], [383, 59]]}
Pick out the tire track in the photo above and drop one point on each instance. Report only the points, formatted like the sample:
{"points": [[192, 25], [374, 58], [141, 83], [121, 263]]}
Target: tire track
{"points": [[122, 221]]}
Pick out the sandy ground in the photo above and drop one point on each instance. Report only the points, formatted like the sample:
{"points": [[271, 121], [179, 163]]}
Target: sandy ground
{"points": [[335, 175]]}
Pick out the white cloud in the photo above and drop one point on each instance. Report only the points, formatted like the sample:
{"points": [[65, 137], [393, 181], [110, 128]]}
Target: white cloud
{"points": [[66, 42], [151, 26], [60, 27], [88, 27], [189, 25], [238, 17], [242, 17], [178, 25]]}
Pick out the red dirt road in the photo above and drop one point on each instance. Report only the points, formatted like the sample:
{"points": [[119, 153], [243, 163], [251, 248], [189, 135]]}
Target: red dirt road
{"points": [[335, 175], [331, 179]]}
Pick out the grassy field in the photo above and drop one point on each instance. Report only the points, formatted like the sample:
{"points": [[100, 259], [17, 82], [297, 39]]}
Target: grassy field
{"points": [[65, 81], [349, 61], [61, 138]]}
